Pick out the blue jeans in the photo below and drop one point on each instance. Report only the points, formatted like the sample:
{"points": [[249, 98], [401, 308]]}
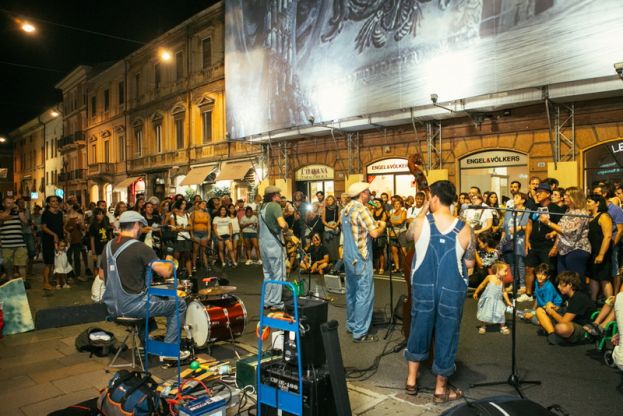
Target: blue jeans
{"points": [[161, 307], [521, 266]]}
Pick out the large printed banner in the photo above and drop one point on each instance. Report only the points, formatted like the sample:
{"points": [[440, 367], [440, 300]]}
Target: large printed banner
{"points": [[295, 62]]}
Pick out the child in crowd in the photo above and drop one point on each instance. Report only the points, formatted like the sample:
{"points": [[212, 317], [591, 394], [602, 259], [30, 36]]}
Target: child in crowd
{"points": [[486, 255], [492, 304], [544, 293], [61, 266], [566, 327]]}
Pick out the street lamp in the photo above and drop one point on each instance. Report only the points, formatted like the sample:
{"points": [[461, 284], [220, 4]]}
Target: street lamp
{"points": [[2, 139], [165, 55], [54, 113], [28, 27]]}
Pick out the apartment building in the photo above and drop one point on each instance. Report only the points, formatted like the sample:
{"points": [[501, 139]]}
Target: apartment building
{"points": [[72, 145], [106, 133], [28, 165]]}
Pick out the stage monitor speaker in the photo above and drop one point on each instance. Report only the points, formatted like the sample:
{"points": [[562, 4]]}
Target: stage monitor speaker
{"points": [[312, 314], [500, 405]]}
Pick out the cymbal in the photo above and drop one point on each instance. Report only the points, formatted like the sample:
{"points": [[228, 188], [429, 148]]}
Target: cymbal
{"points": [[217, 290]]}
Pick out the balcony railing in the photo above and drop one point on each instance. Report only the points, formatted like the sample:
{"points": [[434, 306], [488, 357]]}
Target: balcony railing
{"points": [[150, 162], [71, 139], [98, 169], [73, 175], [211, 150]]}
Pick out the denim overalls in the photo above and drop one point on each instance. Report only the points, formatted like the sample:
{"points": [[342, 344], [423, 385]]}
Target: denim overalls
{"points": [[359, 281], [438, 290], [132, 305], [273, 261]]}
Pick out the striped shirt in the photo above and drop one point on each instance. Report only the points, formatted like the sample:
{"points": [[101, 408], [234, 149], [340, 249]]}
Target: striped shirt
{"points": [[362, 223], [11, 233]]}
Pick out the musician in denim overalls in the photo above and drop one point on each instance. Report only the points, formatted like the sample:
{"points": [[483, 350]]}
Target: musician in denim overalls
{"points": [[358, 229], [272, 246], [124, 264], [439, 286]]}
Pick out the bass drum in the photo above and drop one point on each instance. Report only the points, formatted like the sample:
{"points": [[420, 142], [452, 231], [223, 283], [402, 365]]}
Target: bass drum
{"points": [[216, 319]]}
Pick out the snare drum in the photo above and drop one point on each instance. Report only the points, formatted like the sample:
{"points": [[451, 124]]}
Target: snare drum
{"points": [[216, 319]]}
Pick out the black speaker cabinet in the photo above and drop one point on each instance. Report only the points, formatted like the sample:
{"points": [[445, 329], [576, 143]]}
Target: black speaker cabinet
{"points": [[317, 392], [312, 314]]}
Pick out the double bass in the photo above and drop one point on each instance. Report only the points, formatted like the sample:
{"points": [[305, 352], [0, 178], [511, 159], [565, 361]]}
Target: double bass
{"points": [[416, 168]]}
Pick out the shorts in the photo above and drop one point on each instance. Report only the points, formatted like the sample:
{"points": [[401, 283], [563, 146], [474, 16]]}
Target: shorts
{"points": [[578, 334], [183, 246], [17, 256], [537, 256], [200, 235], [224, 237], [248, 236]]}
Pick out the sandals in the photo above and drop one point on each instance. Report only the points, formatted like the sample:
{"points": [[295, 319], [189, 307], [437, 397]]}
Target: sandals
{"points": [[411, 390], [451, 394], [504, 330]]}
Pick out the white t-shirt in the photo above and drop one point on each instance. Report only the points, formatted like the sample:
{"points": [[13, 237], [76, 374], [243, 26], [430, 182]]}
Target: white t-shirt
{"points": [[182, 222], [247, 224], [413, 211], [477, 216], [235, 225], [222, 225]]}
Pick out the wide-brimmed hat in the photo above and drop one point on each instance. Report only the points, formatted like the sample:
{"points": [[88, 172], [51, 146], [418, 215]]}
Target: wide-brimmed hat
{"points": [[357, 188]]}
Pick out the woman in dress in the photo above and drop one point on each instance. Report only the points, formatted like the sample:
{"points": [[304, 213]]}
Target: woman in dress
{"points": [[397, 232], [331, 222], [600, 236]]}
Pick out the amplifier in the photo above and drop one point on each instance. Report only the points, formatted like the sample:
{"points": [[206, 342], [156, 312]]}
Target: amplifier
{"points": [[312, 314], [317, 392], [246, 368]]}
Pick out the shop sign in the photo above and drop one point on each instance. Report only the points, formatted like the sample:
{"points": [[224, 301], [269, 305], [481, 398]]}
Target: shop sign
{"points": [[388, 166], [314, 173], [494, 158]]}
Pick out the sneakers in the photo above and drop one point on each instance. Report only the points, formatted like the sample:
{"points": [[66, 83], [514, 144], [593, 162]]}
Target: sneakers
{"points": [[525, 298], [83, 278], [259, 262], [248, 262], [58, 287], [66, 286], [366, 339]]}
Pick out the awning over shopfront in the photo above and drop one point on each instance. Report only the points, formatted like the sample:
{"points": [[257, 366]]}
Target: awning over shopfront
{"points": [[121, 186], [197, 175], [234, 171]]}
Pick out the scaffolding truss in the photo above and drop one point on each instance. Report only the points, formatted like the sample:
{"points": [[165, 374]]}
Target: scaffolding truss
{"points": [[434, 158]]}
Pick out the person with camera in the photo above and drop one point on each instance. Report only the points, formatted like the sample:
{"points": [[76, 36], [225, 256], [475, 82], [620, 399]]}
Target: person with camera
{"points": [[540, 237]]}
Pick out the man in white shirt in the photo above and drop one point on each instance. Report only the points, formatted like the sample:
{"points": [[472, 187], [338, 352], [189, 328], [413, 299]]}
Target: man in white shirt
{"points": [[515, 188], [416, 208]]}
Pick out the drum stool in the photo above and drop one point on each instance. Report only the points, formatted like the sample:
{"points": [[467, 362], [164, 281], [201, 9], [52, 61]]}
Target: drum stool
{"points": [[131, 325]]}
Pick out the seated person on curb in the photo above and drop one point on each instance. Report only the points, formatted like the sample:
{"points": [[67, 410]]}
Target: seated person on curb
{"points": [[544, 293], [123, 267], [317, 259], [566, 327], [605, 316], [486, 255]]}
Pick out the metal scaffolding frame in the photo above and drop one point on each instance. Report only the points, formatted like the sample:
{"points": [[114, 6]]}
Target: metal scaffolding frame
{"points": [[283, 159], [433, 145], [354, 162], [564, 133]]}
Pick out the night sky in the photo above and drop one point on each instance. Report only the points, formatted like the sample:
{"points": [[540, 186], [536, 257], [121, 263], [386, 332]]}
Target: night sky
{"points": [[55, 51]]}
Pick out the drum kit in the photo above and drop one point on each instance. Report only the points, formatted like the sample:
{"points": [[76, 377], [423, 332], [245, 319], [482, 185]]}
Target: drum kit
{"points": [[213, 313]]}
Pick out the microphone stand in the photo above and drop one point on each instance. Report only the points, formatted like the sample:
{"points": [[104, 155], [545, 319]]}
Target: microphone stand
{"points": [[390, 228], [513, 379]]}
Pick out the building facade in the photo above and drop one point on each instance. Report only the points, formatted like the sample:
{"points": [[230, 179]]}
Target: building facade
{"points": [[28, 165], [53, 160], [72, 145], [106, 133]]}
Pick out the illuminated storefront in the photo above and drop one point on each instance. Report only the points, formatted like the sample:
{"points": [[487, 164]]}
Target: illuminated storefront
{"points": [[391, 176], [313, 178], [493, 170]]}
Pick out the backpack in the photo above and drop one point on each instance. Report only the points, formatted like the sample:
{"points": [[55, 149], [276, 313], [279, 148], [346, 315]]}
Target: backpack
{"points": [[130, 393], [96, 341]]}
